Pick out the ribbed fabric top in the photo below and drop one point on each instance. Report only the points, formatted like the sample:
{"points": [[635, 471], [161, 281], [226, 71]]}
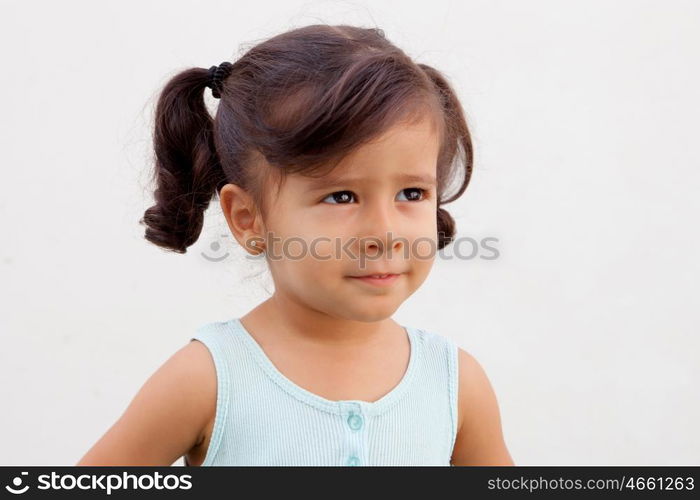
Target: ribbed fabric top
{"points": [[263, 418]]}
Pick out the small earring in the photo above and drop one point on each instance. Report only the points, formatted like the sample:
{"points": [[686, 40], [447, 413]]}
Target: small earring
{"points": [[254, 243]]}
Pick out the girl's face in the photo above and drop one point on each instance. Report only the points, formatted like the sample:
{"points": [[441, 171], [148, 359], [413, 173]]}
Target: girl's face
{"points": [[375, 213]]}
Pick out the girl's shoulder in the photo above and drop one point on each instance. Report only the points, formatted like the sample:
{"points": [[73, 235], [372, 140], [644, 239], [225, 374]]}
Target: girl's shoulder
{"points": [[166, 418], [435, 339]]}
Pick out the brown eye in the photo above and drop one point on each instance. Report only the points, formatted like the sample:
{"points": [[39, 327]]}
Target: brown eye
{"points": [[340, 197], [415, 194]]}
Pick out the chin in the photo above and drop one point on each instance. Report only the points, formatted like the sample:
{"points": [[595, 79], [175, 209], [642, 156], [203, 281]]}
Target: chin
{"points": [[372, 313]]}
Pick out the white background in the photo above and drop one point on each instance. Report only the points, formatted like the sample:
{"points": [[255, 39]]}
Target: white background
{"points": [[585, 120]]}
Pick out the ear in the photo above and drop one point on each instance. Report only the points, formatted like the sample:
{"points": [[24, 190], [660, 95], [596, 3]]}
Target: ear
{"points": [[242, 217]]}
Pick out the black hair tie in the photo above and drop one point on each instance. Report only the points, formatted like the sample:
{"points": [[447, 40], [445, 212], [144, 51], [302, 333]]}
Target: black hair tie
{"points": [[216, 75]]}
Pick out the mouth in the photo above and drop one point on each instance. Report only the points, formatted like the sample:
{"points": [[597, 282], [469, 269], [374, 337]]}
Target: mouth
{"points": [[377, 279]]}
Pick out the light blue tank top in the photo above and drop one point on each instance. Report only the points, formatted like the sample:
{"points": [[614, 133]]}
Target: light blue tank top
{"points": [[263, 418]]}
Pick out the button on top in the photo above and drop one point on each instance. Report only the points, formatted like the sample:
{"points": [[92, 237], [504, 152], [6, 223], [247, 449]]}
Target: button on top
{"points": [[355, 421], [353, 460]]}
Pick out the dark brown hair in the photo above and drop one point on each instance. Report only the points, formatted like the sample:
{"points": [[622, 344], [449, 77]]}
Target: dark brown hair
{"points": [[298, 102]]}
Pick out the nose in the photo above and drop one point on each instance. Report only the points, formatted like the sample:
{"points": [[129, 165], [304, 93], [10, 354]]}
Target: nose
{"points": [[381, 231]]}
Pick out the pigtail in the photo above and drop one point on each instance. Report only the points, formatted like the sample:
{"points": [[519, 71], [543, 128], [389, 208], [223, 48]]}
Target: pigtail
{"points": [[187, 170], [445, 227]]}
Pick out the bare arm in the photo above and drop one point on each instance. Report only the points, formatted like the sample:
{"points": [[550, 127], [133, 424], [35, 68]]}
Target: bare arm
{"points": [[480, 436], [167, 416]]}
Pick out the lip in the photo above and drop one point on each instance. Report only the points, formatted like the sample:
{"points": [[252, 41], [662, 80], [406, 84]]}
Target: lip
{"points": [[388, 281]]}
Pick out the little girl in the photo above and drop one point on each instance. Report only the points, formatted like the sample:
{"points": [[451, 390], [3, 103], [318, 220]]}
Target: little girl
{"points": [[331, 152]]}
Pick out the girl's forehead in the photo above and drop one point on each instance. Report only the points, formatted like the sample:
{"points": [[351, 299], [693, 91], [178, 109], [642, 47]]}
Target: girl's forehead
{"points": [[403, 148], [401, 140], [404, 153]]}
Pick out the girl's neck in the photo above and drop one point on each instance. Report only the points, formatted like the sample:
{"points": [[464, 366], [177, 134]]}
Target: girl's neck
{"points": [[298, 322]]}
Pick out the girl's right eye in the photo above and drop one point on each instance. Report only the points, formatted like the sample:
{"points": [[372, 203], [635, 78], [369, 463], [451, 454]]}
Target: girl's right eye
{"points": [[339, 197]]}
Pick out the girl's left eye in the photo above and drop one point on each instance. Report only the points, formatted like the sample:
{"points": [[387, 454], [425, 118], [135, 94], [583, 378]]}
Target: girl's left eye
{"points": [[343, 197], [418, 193]]}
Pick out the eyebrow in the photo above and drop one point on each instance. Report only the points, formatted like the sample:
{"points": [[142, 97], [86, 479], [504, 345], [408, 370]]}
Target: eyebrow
{"points": [[327, 182]]}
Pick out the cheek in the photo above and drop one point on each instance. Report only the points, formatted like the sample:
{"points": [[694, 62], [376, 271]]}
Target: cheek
{"points": [[422, 236], [322, 249], [301, 259], [424, 249], [422, 265], [307, 250]]}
